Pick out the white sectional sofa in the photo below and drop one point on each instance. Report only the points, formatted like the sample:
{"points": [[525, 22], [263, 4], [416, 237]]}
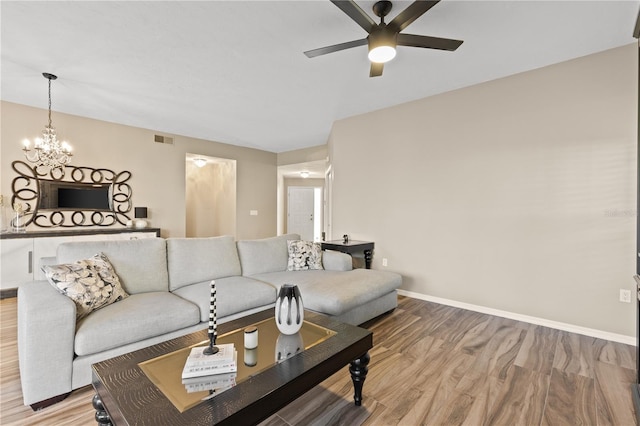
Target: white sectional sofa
{"points": [[168, 281]]}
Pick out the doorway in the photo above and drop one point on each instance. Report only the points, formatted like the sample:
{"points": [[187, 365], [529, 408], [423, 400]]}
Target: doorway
{"points": [[310, 174], [210, 196]]}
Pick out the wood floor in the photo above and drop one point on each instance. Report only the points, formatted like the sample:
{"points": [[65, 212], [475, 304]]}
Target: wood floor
{"points": [[430, 365]]}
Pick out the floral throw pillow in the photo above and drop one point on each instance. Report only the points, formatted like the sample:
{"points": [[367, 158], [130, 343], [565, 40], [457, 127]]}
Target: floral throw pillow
{"points": [[304, 255], [91, 283]]}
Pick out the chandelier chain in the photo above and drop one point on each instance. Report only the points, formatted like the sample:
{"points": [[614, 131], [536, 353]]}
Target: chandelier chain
{"points": [[49, 102]]}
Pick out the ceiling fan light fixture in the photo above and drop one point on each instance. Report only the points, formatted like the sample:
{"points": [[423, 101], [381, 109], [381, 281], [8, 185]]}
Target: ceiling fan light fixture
{"points": [[382, 45], [382, 54]]}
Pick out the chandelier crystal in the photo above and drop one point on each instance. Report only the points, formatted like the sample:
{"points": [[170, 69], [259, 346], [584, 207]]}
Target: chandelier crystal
{"points": [[48, 151]]}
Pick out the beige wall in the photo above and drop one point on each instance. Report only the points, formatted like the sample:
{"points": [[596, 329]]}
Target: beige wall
{"points": [[158, 171], [516, 195], [304, 155]]}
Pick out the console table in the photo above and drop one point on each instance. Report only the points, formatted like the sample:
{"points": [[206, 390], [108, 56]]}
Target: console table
{"points": [[350, 247]]}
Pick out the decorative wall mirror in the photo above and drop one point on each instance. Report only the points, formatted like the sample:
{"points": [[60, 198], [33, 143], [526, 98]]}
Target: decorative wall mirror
{"points": [[71, 196]]}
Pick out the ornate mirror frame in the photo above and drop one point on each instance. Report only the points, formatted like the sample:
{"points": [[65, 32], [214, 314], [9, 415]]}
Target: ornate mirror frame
{"points": [[27, 191]]}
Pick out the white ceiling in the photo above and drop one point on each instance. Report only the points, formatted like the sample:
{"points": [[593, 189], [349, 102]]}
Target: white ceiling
{"points": [[235, 72]]}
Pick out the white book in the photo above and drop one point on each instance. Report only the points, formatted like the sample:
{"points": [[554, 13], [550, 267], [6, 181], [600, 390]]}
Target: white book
{"points": [[215, 366], [224, 378], [207, 370], [214, 392], [225, 355]]}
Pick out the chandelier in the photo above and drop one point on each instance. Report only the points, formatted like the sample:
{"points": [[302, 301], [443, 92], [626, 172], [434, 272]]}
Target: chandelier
{"points": [[47, 150]]}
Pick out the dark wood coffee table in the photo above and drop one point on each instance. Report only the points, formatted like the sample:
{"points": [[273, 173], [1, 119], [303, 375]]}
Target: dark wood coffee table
{"points": [[126, 396]]}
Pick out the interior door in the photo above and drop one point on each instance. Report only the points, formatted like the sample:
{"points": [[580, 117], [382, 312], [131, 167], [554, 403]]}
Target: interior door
{"points": [[300, 217]]}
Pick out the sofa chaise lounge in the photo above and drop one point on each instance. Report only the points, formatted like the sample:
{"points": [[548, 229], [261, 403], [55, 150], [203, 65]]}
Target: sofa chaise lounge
{"points": [[168, 282]]}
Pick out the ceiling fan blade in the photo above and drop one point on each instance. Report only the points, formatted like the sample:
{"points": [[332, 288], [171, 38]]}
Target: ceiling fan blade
{"points": [[376, 69], [335, 48], [428, 42], [411, 13], [354, 12]]}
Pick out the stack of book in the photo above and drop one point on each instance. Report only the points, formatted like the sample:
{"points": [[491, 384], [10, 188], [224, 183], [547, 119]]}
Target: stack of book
{"points": [[215, 372]]}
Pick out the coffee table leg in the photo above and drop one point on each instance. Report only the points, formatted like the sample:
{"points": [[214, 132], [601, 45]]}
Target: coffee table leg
{"points": [[102, 417], [359, 370]]}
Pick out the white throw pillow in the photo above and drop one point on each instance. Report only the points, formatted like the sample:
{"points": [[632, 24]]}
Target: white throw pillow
{"points": [[304, 255], [91, 283]]}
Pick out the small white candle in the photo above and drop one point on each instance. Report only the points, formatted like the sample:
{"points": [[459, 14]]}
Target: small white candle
{"points": [[251, 337]]}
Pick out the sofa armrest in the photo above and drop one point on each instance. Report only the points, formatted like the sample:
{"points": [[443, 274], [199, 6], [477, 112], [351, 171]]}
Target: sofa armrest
{"points": [[336, 261], [46, 329]]}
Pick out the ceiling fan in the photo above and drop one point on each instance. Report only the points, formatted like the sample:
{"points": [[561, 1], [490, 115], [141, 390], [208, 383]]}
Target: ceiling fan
{"points": [[383, 38]]}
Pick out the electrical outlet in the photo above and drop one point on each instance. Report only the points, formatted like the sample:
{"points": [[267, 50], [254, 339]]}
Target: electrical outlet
{"points": [[384, 262], [625, 295]]}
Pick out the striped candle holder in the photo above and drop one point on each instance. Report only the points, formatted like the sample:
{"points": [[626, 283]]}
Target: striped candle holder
{"points": [[213, 326]]}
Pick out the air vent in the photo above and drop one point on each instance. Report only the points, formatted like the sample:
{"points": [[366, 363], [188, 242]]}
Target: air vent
{"points": [[163, 139]]}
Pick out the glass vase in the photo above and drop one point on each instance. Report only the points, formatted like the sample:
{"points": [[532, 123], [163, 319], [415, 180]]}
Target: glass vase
{"points": [[17, 223], [5, 217]]}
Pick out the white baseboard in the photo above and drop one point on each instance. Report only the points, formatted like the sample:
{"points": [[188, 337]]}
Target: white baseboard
{"points": [[614, 337]]}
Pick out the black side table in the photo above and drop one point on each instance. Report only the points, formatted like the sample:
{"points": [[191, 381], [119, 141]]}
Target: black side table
{"points": [[350, 247]]}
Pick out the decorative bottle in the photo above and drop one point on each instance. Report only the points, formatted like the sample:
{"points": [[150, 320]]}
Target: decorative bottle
{"points": [[289, 309], [5, 216]]}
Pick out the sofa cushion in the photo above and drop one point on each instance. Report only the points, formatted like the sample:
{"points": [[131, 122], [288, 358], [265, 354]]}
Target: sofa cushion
{"points": [[91, 283], [138, 317], [140, 264], [233, 295], [336, 292], [266, 255], [303, 255], [193, 260], [336, 261]]}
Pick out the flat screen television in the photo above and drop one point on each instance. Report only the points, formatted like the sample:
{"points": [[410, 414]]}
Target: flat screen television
{"points": [[56, 195]]}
